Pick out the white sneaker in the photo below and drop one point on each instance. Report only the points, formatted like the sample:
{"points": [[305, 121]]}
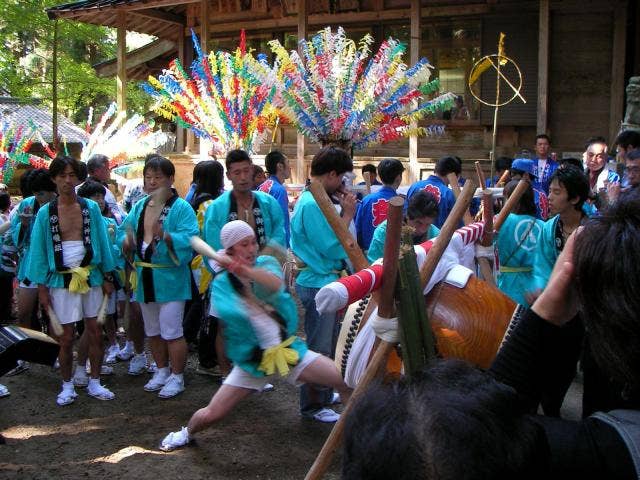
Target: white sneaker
{"points": [[172, 387], [326, 415], [98, 391], [267, 388], [175, 440], [4, 391], [138, 364], [21, 367], [68, 394], [126, 352], [104, 369], [80, 378], [111, 354], [157, 381]]}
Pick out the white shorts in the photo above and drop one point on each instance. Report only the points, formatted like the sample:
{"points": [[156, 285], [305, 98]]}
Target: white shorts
{"points": [[72, 307], [241, 378], [122, 296], [164, 319]]}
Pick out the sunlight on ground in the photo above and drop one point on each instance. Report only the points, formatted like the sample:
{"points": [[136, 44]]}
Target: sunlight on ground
{"points": [[24, 432], [124, 453]]}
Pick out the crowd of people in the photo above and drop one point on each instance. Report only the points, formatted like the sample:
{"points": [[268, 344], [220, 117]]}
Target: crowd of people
{"points": [[93, 264]]}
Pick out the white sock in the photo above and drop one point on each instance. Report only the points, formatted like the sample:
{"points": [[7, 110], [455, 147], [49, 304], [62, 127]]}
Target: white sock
{"points": [[80, 371], [94, 382], [164, 371], [179, 376], [68, 384]]}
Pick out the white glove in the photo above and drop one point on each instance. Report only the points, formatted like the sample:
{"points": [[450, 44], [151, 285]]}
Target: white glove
{"points": [[386, 328]]}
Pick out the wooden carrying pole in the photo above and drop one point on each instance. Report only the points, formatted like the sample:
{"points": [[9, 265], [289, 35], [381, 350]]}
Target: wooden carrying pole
{"points": [[510, 204], [455, 187], [357, 258], [367, 182], [486, 268], [446, 232], [481, 178], [379, 359]]}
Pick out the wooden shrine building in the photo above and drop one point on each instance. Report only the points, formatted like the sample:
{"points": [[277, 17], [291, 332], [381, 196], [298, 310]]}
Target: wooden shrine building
{"points": [[576, 57]]}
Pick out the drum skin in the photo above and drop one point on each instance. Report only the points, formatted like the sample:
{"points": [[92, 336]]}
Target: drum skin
{"points": [[469, 323]]}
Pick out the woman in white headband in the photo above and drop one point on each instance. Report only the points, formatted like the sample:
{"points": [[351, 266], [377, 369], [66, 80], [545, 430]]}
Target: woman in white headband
{"points": [[260, 321]]}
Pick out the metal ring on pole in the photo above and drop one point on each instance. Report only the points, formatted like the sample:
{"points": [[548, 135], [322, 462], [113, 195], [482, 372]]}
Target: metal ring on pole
{"points": [[481, 64]]}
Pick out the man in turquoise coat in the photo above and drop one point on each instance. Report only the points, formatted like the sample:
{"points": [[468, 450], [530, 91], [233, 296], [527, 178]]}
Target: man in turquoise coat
{"points": [[260, 210], [155, 237], [72, 264], [322, 259]]}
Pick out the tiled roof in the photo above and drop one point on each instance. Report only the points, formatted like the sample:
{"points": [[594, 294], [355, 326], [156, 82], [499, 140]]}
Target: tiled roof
{"points": [[22, 112]]}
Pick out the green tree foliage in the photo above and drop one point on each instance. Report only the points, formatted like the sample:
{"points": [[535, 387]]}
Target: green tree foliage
{"points": [[26, 60]]}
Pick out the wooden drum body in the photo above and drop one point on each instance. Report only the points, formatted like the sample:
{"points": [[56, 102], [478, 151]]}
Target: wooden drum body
{"points": [[468, 323]]}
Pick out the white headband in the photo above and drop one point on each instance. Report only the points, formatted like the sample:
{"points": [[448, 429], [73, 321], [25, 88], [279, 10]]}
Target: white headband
{"points": [[235, 231]]}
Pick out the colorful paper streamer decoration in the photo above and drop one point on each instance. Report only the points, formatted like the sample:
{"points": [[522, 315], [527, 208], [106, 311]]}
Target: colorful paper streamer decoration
{"points": [[227, 100], [15, 142], [120, 138], [332, 94]]}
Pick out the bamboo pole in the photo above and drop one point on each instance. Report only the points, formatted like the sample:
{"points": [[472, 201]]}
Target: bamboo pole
{"points": [[446, 232], [510, 204], [357, 258], [416, 337]]}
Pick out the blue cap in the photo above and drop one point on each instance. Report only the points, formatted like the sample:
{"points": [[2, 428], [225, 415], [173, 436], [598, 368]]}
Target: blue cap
{"points": [[526, 165]]}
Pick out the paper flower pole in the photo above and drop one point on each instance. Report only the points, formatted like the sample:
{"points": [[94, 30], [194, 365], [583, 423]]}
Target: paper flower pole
{"points": [[120, 138], [227, 99], [334, 95], [15, 142]]}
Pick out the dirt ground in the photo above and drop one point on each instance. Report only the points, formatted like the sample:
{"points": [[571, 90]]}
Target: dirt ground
{"points": [[264, 438]]}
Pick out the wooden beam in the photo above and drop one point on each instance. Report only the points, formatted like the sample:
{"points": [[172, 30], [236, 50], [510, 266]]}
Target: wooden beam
{"points": [[205, 145], [301, 21], [618, 57], [414, 56], [543, 67], [121, 76], [179, 130], [367, 17], [137, 57], [161, 15], [145, 4]]}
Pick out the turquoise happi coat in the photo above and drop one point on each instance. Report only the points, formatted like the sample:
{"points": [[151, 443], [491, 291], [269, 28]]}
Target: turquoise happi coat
{"points": [[42, 268], [241, 343], [517, 245], [159, 278], [21, 236], [220, 212]]}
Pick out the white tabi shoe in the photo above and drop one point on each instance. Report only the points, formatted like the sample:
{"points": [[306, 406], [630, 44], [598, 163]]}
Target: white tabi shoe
{"points": [[157, 381], [175, 440], [138, 364], [68, 394], [173, 386], [95, 390]]}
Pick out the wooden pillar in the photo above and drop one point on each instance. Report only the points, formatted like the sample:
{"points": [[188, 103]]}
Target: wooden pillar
{"points": [[543, 66], [302, 33], [179, 130], [121, 78], [205, 146], [618, 56], [414, 56]]}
